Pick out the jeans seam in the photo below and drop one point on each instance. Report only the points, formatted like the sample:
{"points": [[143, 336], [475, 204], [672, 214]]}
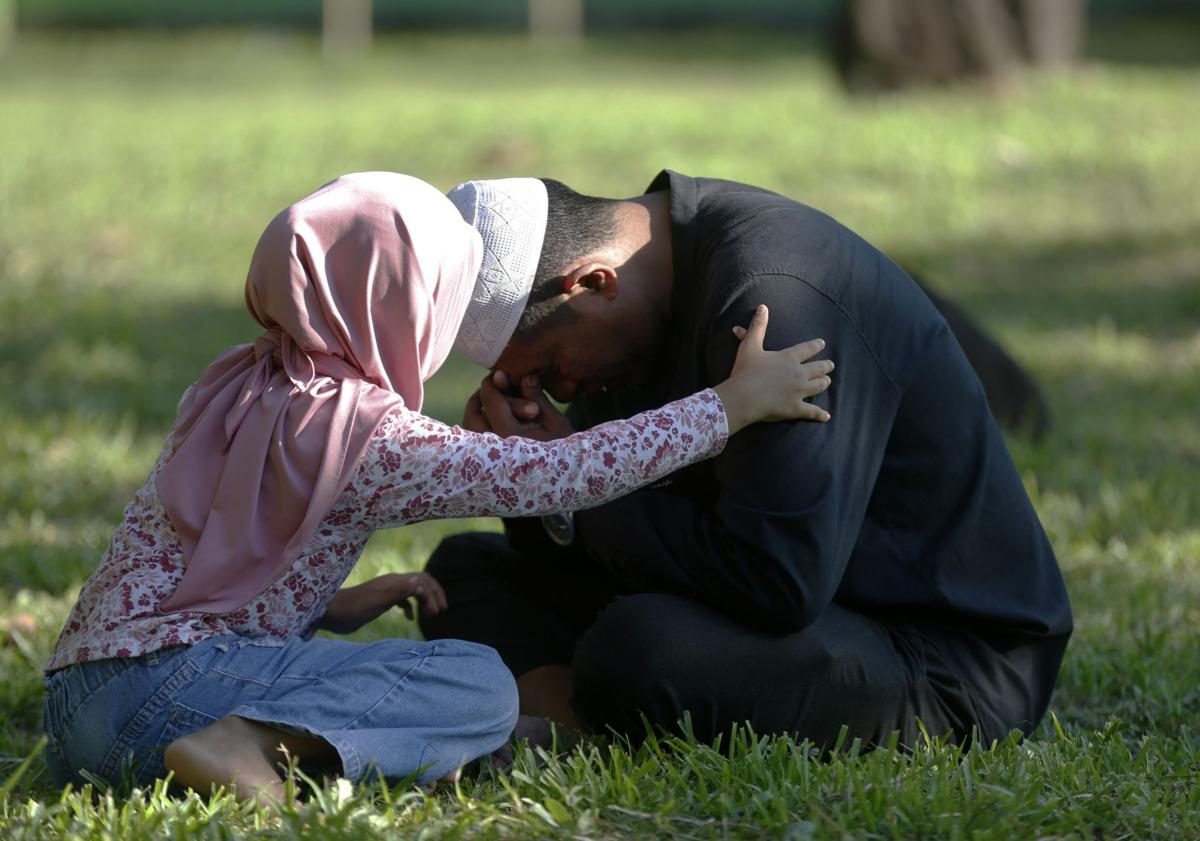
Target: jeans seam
{"points": [[177, 704], [425, 659], [161, 697], [51, 707], [347, 748], [241, 678], [431, 753], [69, 719]]}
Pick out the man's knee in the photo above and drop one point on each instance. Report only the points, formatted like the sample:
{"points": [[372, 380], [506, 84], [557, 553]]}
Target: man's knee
{"points": [[464, 555], [661, 656], [464, 564], [631, 664]]}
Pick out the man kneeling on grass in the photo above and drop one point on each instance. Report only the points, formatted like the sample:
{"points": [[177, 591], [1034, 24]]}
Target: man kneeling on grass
{"points": [[879, 572]]}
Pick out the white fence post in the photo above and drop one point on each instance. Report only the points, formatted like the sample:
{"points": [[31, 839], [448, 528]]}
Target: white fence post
{"points": [[346, 26], [8, 24], [556, 19]]}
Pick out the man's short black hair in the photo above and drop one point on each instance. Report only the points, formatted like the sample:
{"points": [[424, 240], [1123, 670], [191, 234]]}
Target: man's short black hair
{"points": [[576, 225]]}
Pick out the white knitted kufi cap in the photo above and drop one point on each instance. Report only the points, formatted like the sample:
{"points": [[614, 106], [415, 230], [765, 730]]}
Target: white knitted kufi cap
{"points": [[510, 215]]}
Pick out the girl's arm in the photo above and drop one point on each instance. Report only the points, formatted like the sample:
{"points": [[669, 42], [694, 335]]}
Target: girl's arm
{"points": [[352, 607], [419, 469]]}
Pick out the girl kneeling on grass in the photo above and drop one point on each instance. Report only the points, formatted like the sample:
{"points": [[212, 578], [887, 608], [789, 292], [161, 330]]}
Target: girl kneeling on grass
{"points": [[191, 647]]}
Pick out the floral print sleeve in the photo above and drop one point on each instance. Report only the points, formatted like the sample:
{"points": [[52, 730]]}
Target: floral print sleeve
{"points": [[414, 469], [420, 469]]}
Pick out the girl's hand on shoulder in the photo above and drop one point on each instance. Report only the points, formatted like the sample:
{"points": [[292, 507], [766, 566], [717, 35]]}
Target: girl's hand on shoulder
{"points": [[773, 385]]}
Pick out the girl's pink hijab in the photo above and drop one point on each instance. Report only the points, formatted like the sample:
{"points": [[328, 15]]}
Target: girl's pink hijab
{"points": [[360, 288]]}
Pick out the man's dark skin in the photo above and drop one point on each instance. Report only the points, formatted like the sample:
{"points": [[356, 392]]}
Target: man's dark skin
{"points": [[884, 568]]}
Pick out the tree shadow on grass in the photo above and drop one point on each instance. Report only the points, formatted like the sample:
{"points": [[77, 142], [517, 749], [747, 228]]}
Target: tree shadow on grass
{"points": [[1110, 328], [1166, 40], [99, 356], [91, 383], [1148, 282]]}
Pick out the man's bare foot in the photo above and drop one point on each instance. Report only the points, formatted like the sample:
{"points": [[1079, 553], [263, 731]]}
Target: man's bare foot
{"points": [[536, 731], [546, 693], [453, 777]]}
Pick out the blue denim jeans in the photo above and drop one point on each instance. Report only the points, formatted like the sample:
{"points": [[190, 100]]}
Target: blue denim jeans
{"points": [[396, 708]]}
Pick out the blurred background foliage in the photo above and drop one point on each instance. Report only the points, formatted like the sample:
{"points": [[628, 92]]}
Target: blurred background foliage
{"points": [[481, 14]]}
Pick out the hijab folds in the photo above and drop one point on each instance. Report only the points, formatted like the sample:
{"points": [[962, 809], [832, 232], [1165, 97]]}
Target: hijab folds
{"points": [[360, 289]]}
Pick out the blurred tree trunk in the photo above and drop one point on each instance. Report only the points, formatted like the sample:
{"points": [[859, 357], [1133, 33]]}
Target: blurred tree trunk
{"points": [[556, 19], [8, 24], [904, 43], [346, 27]]}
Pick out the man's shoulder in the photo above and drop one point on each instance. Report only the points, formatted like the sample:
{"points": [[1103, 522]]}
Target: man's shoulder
{"points": [[741, 239], [732, 210], [761, 247], [718, 208], [715, 187], [750, 232]]}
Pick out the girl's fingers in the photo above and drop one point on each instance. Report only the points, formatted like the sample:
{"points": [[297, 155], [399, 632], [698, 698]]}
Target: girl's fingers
{"points": [[807, 350], [435, 598], [739, 332], [809, 412], [815, 387], [426, 590], [757, 331]]}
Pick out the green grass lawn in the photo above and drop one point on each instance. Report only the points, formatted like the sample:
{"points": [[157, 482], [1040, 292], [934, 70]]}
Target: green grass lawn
{"points": [[136, 173]]}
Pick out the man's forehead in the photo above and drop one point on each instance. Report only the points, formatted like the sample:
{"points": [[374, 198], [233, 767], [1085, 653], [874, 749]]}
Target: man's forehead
{"points": [[532, 355]]}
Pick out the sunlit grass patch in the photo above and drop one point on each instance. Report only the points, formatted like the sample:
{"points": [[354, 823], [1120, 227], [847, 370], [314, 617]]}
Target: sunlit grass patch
{"points": [[745, 787]]}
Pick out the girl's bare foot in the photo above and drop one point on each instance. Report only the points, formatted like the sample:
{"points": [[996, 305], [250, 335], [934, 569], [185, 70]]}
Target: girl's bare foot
{"points": [[453, 777], [235, 751]]}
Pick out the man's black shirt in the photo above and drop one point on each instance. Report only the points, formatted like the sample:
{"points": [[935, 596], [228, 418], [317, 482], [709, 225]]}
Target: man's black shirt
{"points": [[905, 505]]}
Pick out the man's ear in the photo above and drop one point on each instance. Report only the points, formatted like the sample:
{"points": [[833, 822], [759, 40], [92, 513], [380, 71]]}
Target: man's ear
{"points": [[592, 276]]}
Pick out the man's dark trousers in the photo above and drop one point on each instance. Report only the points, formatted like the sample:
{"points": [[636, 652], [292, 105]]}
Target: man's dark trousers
{"points": [[658, 655]]}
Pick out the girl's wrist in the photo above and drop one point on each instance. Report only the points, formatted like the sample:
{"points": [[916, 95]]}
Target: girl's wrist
{"points": [[735, 403]]}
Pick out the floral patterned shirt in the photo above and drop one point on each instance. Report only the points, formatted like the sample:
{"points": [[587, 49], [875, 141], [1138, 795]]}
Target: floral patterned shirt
{"points": [[415, 468]]}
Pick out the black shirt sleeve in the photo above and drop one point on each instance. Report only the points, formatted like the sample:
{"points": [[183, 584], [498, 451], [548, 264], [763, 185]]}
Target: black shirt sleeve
{"points": [[772, 545]]}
